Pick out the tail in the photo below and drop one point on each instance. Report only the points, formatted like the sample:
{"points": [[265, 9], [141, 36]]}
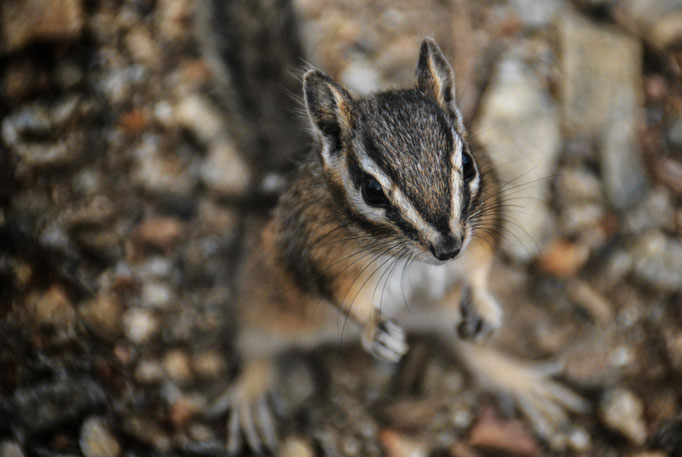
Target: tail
{"points": [[255, 52]]}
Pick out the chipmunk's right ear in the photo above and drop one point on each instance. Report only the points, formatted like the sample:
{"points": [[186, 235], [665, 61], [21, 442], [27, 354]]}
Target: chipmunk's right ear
{"points": [[330, 108]]}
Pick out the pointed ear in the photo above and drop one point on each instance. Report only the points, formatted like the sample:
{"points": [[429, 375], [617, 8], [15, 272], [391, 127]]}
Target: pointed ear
{"points": [[436, 80], [330, 108]]}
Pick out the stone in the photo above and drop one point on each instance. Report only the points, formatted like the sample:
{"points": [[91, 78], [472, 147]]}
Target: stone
{"points": [[96, 440], [590, 300], [160, 232], [519, 125], [621, 411], [658, 261], [361, 77], [601, 98], [296, 447], [177, 367], [208, 365], [161, 173], [149, 371], [199, 115], [224, 171], [10, 449], [399, 445], [139, 325], [54, 309], [537, 15], [41, 407], [507, 436], [102, 315], [563, 258], [674, 135], [658, 21], [26, 22]]}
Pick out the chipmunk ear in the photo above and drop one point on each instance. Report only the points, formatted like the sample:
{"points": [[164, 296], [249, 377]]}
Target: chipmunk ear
{"points": [[330, 108], [436, 80]]}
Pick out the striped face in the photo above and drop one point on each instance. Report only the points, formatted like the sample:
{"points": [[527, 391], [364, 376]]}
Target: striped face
{"points": [[396, 161], [405, 173]]}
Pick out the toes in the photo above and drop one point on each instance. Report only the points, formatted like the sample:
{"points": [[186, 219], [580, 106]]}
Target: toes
{"points": [[389, 342], [249, 428], [233, 444], [267, 425]]}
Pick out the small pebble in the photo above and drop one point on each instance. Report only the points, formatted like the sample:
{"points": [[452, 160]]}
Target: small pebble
{"points": [[96, 440], [10, 449], [177, 367], [621, 410], [139, 325]]}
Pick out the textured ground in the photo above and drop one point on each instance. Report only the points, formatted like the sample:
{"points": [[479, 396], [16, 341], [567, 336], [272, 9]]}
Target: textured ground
{"points": [[117, 228]]}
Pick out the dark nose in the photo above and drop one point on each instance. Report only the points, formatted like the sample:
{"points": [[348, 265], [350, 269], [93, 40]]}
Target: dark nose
{"points": [[447, 249]]}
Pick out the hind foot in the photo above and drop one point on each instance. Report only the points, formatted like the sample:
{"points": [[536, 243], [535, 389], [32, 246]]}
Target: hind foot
{"points": [[251, 422], [543, 401]]}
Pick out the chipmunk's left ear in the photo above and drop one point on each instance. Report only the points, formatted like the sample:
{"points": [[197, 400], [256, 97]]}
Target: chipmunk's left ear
{"points": [[436, 80]]}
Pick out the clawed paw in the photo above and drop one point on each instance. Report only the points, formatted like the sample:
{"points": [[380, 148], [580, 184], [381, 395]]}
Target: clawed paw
{"points": [[388, 342], [481, 316], [251, 422]]}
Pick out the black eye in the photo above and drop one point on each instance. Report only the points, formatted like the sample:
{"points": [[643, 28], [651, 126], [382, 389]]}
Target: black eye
{"points": [[468, 168], [372, 193]]}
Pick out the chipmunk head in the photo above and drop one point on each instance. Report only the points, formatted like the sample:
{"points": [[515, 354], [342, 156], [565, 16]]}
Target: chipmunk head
{"points": [[397, 161]]}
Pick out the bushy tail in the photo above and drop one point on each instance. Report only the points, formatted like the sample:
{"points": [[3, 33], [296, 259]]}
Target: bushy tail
{"points": [[255, 53]]}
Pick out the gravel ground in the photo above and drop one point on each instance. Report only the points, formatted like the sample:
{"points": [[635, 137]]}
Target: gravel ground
{"points": [[119, 218]]}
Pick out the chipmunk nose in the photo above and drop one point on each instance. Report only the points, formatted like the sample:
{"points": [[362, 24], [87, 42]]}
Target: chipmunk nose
{"points": [[448, 248]]}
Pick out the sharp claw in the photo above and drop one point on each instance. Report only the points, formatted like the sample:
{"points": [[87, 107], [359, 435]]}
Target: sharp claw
{"points": [[233, 436], [267, 425], [249, 428]]}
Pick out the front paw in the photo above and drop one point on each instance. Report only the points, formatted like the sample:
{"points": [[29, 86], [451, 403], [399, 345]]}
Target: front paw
{"points": [[481, 315], [387, 342]]}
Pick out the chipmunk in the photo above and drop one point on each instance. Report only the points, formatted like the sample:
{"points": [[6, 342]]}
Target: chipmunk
{"points": [[388, 225]]}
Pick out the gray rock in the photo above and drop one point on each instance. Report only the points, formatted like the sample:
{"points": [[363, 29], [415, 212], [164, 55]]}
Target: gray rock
{"points": [[40, 408], [658, 261], [10, 449], [653, 212], [139, 325], [601, 99], [675, 134], [658, 21], [537, 14], [519, 126], [96, 440], [22, 23], [621, 410]]}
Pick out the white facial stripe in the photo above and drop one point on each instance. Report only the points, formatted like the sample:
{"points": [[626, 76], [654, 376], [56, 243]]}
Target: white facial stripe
{"points": [[456, 183], [407, 209]]}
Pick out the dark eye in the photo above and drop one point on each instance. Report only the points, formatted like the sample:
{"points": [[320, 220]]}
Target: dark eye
{"points": [[372, 193], [468, 168]]}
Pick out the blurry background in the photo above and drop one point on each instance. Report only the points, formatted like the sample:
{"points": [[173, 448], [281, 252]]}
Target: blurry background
{"points": [[118, 219]]}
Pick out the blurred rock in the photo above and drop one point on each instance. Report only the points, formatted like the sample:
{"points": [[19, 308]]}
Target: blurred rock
{"points": [[44, 406], [10, 449], [591, 301], [208, 365], [147, 432], [139, 325], [658, 21], [53, 309], [563, 258], [601, 98], [296, 447], [577, 184], [579, 440], [655, 211], [198, 115], [519, 125], [658, 261], [161, 173], [621, 410], [102, 315], [96, 440], [177, 367], [361, 78], [26, 22], [398, 445], [674, 135], [224, 171], [536, 15], [507, 436], [149, 371], [160, 232]]}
